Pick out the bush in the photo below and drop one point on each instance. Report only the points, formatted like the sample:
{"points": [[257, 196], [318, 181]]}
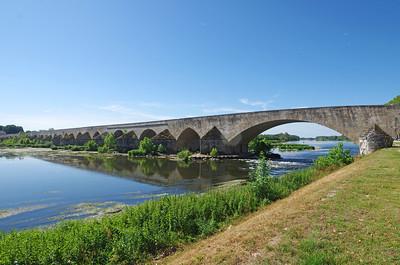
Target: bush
{"points": [[184, 155], [136, 152], [147, 146], [266, 187], [214, 152], [109, 142], [103, 149], [77, 148], [161, 149], [258, 145], [91, 145], [336, 157]]}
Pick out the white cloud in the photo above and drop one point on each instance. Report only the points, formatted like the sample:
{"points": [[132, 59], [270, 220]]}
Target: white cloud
{"points": [[256, 103]]}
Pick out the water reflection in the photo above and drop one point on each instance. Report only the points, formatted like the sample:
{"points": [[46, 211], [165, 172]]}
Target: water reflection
{"points": [[196, 175]]}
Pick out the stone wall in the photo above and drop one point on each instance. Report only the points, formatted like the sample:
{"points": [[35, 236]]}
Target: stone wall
{"points": [[374, 139]]}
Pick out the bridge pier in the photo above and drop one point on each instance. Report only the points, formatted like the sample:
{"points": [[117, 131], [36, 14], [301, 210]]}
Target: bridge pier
{"points": [[373, 139]]}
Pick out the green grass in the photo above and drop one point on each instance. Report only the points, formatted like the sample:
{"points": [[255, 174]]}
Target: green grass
{"points": [[359, 223], [149, 229]]}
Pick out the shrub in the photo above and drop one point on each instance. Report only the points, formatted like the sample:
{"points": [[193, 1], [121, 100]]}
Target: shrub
{"points": [[135, 153], [91, 145], [110, 142], [265, 186], [214, 152], [103, 149], [146, 145], [77, 148], [258, 145], [161, 149], [336, 157], [184, 155]]}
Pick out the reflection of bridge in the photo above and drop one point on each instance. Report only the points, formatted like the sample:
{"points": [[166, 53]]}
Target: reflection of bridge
{"points": [[230, 133]]}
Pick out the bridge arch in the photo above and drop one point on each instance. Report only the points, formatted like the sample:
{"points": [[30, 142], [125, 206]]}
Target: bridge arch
{"points": [[149, 133], [188, 139], [82, 138], [166, 139], [118, 133], [127, 141], [240, 142]]}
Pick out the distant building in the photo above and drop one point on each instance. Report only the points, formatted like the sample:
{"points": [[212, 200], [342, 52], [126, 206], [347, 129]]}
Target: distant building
{"points": [[2, 133]]}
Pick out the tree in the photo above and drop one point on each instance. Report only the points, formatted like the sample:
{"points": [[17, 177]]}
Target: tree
{"points": [[146, 145], [109, 142], [161, 149], [258, 145], [11, 129], [91, 146], [394, 101]]}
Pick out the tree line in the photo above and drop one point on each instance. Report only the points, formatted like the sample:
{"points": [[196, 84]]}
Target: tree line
{"points": [[11, 129]]}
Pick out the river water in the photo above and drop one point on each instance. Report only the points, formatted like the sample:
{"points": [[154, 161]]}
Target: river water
{"points": [[41, 188]]}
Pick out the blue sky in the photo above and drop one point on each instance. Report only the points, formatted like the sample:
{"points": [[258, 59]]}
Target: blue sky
{"points": [[80, 62]]}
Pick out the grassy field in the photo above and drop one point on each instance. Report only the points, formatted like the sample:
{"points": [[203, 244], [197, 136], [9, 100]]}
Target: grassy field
{"points": [[351, 216]]}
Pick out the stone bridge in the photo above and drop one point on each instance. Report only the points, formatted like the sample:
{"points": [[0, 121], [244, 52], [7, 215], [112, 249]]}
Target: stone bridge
{"points": [[231, 133]]}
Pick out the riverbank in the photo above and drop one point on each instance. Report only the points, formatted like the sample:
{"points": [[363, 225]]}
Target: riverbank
{"points": [[348, 217], [194, 156]]}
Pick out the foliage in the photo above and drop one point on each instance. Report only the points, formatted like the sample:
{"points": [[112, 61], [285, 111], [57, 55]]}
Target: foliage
{"points": [[394, 101], [11, 129], [147, 146], [292, 147], [184, 155], [259, 144], [103, 149], [281, 137], [266, 187], [22, 140], [332, 138], [109, 142], [136, 152], [91, 145], [146, 230], [214, 152], [337, 156], [161, 149], [76, 148]]}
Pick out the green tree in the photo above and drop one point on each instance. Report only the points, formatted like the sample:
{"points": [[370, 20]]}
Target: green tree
{"points": [[258, 145], [109, 142], [184, 155], [161, 149], [147, 146], [394, 101], [91, 145]]}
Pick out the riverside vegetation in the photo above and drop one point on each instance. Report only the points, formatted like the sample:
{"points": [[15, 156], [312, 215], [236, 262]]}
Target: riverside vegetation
{"points": [[157, 227], [265, 143]]}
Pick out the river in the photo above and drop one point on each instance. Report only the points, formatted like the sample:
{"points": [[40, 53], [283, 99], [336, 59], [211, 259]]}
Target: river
{"points": [[42, 188]]}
